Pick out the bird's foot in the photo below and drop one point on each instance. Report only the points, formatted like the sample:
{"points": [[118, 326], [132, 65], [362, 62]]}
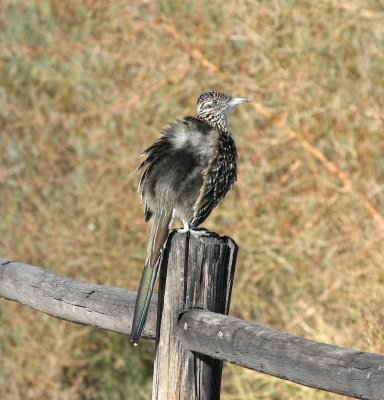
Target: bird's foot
{"points": [[193, 231], [186, 228], [199, 232]]}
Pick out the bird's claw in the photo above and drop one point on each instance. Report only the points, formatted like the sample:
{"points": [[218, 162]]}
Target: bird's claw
{"points": [[198, 232]]}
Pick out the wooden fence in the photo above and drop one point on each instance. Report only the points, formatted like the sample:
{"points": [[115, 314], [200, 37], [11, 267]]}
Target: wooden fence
{"points": [[193, 333]]}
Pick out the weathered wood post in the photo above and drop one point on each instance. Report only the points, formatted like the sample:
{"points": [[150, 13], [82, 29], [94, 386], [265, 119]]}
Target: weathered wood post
{"points": [[197, 273]]}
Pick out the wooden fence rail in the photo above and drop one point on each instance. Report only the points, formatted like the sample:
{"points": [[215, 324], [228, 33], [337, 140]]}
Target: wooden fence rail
{"points": [[353, 373], [84, 303]]}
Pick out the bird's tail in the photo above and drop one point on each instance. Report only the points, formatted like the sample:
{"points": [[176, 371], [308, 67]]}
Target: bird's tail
{"points": [[159, 233]]}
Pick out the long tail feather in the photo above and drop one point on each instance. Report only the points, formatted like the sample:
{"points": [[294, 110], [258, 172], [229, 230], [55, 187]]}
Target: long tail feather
{"points": [[159, 233]]}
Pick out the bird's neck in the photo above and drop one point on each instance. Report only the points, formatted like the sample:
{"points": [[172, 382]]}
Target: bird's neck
{"points": [[216, 121]]}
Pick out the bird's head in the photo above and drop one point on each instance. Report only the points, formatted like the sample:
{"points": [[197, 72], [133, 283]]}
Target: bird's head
{"points": [[213, 107]]}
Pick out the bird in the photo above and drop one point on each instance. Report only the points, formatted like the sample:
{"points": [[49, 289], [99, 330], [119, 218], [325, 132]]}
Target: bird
{"points": [[185, 173]]}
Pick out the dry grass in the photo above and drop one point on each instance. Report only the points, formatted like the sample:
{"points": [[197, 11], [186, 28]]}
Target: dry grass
{"points": [[86, 86]]}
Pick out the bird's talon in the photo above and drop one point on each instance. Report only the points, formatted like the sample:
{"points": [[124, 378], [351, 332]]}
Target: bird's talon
{"points": [[199, 232]]}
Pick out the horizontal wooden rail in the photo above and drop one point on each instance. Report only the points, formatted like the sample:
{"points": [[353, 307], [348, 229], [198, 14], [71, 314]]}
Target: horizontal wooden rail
{"points": [[254, 346], [84, 303], [352, 373]]}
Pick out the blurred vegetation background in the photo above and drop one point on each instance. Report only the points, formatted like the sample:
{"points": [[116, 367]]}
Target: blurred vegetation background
{"points": [[85, 86]]}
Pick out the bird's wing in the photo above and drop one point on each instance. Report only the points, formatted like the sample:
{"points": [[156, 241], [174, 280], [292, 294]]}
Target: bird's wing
{"points": [[219, 176], [207, 199], [153, 155]]}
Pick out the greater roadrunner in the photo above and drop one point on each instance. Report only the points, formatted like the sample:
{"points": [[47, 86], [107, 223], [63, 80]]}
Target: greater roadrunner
{"points": [[185, 174]]}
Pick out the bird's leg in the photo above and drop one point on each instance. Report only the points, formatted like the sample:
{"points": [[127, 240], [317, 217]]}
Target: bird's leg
{"points": [[186, 228], [193, 230]]}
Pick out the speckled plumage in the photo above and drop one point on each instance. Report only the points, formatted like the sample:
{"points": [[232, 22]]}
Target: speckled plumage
{"points": [[186, 172], [192, 166]]}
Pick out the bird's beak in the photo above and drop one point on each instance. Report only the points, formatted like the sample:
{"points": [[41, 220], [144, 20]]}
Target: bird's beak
{"points": [[238, 100]]}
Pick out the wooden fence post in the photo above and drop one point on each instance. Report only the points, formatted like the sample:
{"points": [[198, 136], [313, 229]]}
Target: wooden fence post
{"points": [[197, 272]]}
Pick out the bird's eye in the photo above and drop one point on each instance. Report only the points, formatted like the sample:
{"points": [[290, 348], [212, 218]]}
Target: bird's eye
{"points": [[213, 102]]}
